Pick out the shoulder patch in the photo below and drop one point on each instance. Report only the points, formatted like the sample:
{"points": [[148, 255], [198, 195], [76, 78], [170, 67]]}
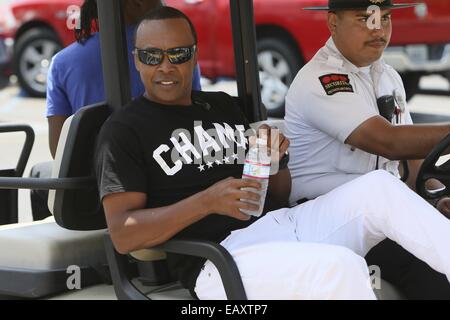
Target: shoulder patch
{"points": [[334, 83]]}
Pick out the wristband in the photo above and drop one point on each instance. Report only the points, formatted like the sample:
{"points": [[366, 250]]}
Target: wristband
{"points": [[283, 163]]}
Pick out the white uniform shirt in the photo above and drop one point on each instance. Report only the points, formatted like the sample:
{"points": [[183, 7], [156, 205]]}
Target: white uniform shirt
{"points": [[329, 98]]}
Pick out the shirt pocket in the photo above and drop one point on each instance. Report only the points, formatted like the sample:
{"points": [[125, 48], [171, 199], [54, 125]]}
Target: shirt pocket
{"points": [[351, 160]]}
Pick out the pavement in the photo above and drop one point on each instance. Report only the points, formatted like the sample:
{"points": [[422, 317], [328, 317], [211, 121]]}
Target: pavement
{"points": [[431, 105]]}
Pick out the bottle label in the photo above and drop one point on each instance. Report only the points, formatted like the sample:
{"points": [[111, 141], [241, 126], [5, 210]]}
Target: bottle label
{"points": [[255, 170]]}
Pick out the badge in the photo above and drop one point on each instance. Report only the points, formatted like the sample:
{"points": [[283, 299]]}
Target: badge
{"points": [[334, 83]]}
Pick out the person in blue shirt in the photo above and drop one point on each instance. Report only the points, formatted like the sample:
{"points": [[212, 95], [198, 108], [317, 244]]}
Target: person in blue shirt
{"points": [[75, 77], [75, 80]]}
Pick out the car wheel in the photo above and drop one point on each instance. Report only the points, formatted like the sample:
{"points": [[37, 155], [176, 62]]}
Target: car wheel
{"points": [[278, 65], [32, 56], [411, 84]]}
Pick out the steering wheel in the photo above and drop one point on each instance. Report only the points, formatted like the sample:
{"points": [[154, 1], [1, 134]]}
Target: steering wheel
{"points": [[429, 170]]}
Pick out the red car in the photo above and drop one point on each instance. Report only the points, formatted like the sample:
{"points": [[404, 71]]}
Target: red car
{"points": [[31, 32], [287, 37]]}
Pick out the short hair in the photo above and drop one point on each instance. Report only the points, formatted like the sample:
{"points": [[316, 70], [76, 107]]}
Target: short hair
{"points": [[165, 13]]}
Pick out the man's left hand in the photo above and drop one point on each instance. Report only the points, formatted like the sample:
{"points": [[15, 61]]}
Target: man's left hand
{"points": [[274, 135], [443, 205]]}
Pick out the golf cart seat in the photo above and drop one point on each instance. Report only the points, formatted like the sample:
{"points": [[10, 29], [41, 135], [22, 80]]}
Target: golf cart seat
{"points": [[35, 256]]}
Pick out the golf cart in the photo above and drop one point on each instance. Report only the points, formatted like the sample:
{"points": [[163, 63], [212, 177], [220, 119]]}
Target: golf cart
{"points": [[70, 255]]}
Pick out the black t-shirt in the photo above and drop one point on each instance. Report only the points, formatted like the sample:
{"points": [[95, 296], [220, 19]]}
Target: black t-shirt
{"points": [[172, 152]]}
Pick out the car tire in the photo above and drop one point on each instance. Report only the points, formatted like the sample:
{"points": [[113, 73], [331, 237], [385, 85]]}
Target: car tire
{"points": [[32, 56], [411, 84], [278, 63]]}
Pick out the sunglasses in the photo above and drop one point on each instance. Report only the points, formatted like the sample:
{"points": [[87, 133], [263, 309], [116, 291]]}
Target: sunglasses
{"points": [[155, 56]]}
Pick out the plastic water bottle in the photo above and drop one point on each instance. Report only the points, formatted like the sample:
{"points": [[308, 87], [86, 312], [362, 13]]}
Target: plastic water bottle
{"points": [[257, 168]]}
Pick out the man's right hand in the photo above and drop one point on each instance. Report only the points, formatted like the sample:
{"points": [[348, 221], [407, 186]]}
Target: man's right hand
{"points": [[225, 196]]}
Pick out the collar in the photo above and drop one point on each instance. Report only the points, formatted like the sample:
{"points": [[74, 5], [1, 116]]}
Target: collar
{"points": [[337, 60]]}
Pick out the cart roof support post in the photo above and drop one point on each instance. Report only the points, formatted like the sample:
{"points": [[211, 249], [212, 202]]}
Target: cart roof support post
{"points": [[247, 71], [114, 54]]}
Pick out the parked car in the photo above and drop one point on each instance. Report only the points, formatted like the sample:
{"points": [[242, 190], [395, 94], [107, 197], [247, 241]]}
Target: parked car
{"points": [[31, 31]]}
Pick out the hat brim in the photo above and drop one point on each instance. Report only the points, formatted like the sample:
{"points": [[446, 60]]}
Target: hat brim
{"points": [[392, 6]]}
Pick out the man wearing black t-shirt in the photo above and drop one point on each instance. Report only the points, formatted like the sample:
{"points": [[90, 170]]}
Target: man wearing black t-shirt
{"points": [[169, 165]]}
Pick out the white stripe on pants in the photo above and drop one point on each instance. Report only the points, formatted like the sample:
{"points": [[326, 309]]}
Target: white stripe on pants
{"points": [[287, 253]]}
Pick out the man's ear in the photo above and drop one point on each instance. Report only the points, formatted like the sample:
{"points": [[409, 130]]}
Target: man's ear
{"points": [[332, 21], [196, 56], [137, 63]]}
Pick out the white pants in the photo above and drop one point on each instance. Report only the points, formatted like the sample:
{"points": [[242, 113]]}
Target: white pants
{"points": [[315, 250]]}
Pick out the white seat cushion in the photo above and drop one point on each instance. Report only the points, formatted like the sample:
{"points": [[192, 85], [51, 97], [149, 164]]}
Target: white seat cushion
{"points": [[45, 246], [58, 160]]}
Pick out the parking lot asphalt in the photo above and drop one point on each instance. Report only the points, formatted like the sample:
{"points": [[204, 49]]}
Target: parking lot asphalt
{"points": [[431, 105]]}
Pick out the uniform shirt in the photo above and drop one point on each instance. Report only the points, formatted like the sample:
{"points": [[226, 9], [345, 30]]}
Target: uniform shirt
{"points": [[172, 152], [75, 78], [329, 98]]}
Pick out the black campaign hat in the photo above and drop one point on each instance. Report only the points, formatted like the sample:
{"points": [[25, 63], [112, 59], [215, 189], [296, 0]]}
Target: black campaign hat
{"points": [[360, 4]]}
